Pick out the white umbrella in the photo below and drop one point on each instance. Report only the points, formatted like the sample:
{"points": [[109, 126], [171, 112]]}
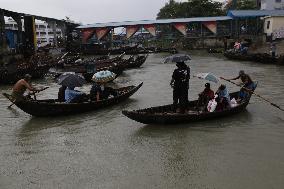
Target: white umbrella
{"points": [[103, 76], [208, 77]]}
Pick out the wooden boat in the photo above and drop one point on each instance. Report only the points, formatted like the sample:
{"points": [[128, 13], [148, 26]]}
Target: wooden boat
{"points": [[10, 76], [166, 114], [136, 63], [257, 57], [51, 107]]}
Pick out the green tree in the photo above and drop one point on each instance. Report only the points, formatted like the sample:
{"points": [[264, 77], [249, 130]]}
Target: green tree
{"points": [[242, 5], [191, 8]]}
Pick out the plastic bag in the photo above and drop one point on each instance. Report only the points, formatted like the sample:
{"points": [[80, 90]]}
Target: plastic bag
{"points": [[233, 103], [212, 104]]}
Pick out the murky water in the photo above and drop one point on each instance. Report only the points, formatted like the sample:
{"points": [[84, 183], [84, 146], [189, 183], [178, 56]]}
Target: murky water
{"points": [[104, 149]]}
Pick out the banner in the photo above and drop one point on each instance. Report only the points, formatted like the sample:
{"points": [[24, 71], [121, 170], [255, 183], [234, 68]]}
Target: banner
{"points": [[181, 27], [101, 32], [87, 34], [151, 28], [212, 26], [131, 30]]}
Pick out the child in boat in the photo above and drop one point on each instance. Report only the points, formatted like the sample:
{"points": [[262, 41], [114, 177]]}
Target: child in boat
{"points": [[223, 98]]}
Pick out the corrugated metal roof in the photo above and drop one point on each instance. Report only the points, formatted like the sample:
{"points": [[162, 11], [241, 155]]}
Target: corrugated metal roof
{"points": [[254, 13], [162, 21]]}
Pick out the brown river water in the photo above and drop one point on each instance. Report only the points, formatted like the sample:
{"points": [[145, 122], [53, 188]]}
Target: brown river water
{"points": [[104, 149]]}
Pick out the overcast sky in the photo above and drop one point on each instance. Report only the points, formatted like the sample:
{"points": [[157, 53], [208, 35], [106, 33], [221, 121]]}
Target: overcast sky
{"points": [[88, 11]]}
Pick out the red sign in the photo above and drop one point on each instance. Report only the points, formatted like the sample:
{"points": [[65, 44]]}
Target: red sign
{"points": [[181, 27], [101, 32], [212, 26], [87, 34], [131, 30], [151, 28]]}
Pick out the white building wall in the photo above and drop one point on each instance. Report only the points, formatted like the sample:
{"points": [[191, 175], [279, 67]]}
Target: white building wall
{"points": [[44, 33], [272, 4]]}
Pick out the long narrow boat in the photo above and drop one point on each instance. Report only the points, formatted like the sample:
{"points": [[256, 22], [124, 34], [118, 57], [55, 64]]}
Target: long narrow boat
{"points": [[51, 107], [166, 114]]}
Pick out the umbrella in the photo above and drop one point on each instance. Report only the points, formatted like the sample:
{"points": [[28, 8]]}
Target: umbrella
{"points": [[208, 77], [177, 58], [70, 79], [103, 76]]}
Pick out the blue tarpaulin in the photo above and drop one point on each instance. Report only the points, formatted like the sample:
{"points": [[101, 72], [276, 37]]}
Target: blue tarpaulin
{"points": [[254, 13]]}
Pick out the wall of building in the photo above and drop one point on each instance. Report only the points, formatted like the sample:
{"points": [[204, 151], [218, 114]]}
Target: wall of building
{"points": [[44, 33], [274, 25], [272, 4]]}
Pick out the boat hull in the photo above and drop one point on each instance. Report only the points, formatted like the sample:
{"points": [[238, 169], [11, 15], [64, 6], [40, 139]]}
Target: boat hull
{"points": [[165, 114], [50, 107]]}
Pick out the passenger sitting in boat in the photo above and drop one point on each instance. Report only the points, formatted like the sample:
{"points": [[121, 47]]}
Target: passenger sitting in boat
{"points": [[100, 91], [205, 96], [74, 96], [248, 84], [237, 46], [61, 94], [223, 98], [20, 88]]}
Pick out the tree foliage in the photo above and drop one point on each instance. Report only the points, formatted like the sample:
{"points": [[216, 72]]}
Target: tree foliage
{"points": [[191, 8], [242, 5]]}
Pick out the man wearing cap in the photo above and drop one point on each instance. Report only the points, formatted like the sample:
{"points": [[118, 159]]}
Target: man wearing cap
{"points": [[21, 86], [180, 85]]}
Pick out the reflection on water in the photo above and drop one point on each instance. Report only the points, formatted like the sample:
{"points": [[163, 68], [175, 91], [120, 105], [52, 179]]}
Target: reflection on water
{"points": [[104, 149]]}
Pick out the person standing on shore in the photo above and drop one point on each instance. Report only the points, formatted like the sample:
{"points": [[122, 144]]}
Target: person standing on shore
{"points": [[273, 49]]}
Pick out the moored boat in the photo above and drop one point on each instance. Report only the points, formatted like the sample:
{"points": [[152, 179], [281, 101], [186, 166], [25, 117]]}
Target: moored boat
{"points": [[51, 107], [167, 114]]}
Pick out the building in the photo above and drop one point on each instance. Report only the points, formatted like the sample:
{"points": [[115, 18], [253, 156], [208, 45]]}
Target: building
{"points": [[274, 27], [271, 4], [44, 33]]}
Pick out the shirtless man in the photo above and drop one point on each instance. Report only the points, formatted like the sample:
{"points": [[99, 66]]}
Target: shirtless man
{"points": [[21, 86]]}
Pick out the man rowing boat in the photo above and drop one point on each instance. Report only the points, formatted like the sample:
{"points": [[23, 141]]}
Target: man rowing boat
{"points": [[248, 84], [21, 86]]}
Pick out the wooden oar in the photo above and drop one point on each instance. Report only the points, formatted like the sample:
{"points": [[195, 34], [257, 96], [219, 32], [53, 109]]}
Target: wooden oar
{"points": [[271, 103], [33, 93]]}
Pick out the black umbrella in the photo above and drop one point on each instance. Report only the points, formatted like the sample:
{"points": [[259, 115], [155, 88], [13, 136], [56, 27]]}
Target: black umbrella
{"points": [[177, 58], [70, 79]]}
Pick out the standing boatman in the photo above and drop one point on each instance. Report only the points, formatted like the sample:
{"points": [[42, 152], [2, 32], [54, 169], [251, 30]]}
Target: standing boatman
{"points": [[180, 85]]}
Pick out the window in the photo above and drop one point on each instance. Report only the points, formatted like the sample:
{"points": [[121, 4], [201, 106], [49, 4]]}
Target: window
{"points": [[268, 24], [50, 33], [277, 1], [42, 26]]}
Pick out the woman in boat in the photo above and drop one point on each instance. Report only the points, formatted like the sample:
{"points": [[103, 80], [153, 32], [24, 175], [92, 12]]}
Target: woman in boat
{"points": [[223, 98], [100, 91], [205, 96], [180, 85], [74, 96]]}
